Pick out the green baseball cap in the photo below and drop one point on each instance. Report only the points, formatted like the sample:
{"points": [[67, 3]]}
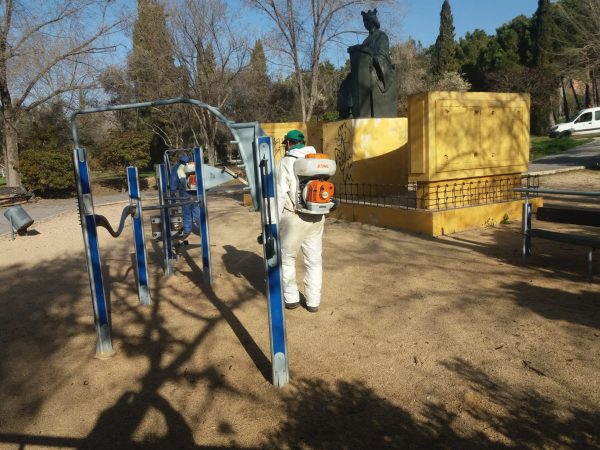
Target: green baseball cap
{"points": [[294, 135]]}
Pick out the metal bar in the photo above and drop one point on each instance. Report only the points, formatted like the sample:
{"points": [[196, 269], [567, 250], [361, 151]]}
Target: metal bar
{"points": [[161, 102], [12, 229], [526, 228], [137, 221], [165, 223], [169, 205], [557, 191], [201, 201], [104, 346], [272, 254]]}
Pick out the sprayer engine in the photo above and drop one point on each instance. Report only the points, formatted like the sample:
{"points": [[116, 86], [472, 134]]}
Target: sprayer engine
{"points": [[190, 175], [314, 193]]}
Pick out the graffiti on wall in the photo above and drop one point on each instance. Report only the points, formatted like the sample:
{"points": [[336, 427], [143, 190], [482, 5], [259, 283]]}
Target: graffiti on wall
{"points": [[343, 152], [278, 148]]}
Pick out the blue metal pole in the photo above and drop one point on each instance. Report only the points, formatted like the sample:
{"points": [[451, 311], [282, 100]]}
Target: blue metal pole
{"points": [[104, 346], [201, 195], [165, 223], [272, 254], [135, 200]]}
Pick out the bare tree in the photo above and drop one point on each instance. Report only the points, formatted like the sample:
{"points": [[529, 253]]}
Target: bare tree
{"points": [[305, 29], [212, 54], [412, 64], [47, 49]]}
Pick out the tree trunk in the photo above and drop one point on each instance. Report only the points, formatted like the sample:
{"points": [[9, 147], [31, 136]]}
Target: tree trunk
{"points": [[566, 109], [588, 97], [575, 95], [10, 148], [595, 88]]}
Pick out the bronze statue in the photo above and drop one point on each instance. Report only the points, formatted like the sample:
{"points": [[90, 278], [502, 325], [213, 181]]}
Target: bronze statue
{"points": [[371, 87]]}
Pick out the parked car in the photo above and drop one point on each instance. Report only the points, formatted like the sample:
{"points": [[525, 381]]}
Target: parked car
{"points": [[586, 121]]}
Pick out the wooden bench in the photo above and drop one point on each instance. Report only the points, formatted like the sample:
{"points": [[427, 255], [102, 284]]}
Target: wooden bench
{"points": [[560, 214]]}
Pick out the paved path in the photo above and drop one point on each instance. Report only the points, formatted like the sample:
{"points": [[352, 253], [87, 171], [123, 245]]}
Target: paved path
{"points": [[45, 208], [582, 157]]}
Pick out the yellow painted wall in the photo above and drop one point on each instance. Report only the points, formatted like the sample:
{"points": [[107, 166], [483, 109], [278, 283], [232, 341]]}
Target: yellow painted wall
{"points": [[434, 223], [312, 132], [455, 135], [371, 151]]}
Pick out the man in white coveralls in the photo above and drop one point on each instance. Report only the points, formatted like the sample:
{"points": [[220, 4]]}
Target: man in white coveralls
{"points": [[298, 230]]}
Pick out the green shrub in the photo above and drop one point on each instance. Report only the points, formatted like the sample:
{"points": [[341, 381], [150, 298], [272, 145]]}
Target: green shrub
{"points": [[125, 148], [48, 172]]}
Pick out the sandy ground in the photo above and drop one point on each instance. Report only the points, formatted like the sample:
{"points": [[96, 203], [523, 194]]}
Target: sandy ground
{"points": [[420, 343]]}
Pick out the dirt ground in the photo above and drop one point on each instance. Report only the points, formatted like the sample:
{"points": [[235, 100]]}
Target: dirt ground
{"points": [[419, 343]]}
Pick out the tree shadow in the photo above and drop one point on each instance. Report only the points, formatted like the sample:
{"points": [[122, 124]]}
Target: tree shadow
{"points": [[559, 305], [525, 417], [37, 328], [350, 415], [260, 360]]}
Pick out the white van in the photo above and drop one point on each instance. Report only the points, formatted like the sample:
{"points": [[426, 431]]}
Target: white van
{"points": [[587, 121]]}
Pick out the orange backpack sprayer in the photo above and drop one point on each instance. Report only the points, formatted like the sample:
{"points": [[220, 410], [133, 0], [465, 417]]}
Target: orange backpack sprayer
{"points": [[314, 194]]}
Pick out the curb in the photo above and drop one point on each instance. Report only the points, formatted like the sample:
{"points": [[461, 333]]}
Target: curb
{"points": [[553, 171]]}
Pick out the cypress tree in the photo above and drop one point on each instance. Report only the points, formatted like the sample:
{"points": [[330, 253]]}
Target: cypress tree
{"points": [[542, 40], [151, 65], [542, 34], [258, 61], [444, 50]]}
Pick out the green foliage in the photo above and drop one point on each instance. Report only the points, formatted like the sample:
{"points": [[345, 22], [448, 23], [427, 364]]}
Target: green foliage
{"points": [[470, 51], [151, 65], [543, 146], [45, 160], [443, 57], [480, 56], [47, 172], [126, 148], [542, 34], [45, 129], [2, 181], [505, 219]]}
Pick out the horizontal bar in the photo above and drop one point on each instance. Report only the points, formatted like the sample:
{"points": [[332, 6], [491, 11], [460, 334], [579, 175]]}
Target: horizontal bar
{"points": [[556, 191], [172, 205]]}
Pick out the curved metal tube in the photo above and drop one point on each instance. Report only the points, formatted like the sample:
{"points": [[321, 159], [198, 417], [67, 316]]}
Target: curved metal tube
{"points": [[163, 102], [102, 221]]}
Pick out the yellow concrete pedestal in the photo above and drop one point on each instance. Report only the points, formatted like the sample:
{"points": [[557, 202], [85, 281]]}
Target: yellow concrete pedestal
{"points": [[373, 151]]}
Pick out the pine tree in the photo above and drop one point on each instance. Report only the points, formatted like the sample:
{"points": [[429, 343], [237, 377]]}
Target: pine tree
{"points": [[258, 61], [542, 29], [444, 51], [542, 38], [206, 68], [150, 66]]}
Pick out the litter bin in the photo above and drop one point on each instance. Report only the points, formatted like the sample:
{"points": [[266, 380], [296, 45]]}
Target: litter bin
{"points": [[18, 218]]}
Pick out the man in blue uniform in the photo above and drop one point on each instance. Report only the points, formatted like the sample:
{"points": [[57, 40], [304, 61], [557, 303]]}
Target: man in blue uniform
{"points": [[178, 187]]}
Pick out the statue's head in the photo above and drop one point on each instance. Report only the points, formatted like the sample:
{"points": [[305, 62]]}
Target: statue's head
{"points": [[370, 19]]}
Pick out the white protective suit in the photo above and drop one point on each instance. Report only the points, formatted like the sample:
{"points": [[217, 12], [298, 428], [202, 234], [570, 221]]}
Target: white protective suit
{"points": [[298, 231]]}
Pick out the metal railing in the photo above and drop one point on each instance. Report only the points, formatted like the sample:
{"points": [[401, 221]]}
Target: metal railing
{"points": [[379, 195], [435, 196]]}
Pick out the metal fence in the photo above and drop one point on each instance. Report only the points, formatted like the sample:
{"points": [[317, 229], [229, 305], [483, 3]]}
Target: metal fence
{"points": [[435, 196], [379, 195]]}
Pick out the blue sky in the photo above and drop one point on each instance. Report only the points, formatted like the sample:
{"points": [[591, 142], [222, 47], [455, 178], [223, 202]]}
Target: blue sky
{"points": [[422, 19]]}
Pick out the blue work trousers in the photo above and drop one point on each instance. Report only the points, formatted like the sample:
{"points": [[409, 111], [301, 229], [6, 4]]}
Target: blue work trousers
{"points": [[189, 213]]}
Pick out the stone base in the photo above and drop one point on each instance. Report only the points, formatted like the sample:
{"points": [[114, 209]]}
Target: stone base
{"points": [[434, 223]]}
